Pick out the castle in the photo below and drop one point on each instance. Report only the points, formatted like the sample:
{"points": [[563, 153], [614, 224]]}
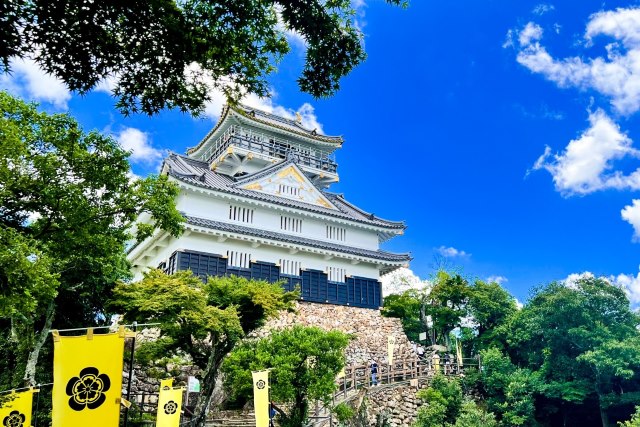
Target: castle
{"points": [[254, 193]]}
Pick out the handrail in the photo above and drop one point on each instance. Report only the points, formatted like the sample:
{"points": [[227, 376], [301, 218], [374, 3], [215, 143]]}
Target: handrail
{"points": [[402, 372], [270, 146]]}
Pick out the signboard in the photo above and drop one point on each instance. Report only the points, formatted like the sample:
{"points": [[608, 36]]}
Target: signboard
{"points": [[422, 336], [194, 385]]}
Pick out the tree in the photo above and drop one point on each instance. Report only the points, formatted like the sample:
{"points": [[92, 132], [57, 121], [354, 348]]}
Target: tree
{"points": [[169, 54], [67, 204], [634, 421], [583, 340], [473, 416], [509, 391], [491, 306], [304, 362], [406, 306], [444, 307], [442, 402], [203, 321]]}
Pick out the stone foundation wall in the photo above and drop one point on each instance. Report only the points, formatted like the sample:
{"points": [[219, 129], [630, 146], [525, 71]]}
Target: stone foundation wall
{"points": [[369, 327], [399, 405]]}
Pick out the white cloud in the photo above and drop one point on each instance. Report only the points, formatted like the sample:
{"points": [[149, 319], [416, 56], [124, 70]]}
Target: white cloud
{"points": [[497, 279], [402, 280], [140, 146], [573, 278], [630, 284], [531, 32], [543, 8], [631, 214], [586, 163], [519, 304], [28, 81], [616, 76], [451, 252]]}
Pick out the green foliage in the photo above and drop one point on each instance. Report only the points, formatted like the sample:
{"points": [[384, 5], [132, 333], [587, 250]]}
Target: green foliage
{"points": [[170, 54], [67, 204], [304, 362], [584, 343], [634, 421], [473, 416], [442, 402], [344, 413], [405, 306], [203, 321], [510, 390], [490, 305]]}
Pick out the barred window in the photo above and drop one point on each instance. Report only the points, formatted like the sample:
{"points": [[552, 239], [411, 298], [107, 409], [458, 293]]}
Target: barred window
{"points": [[291, 224], [289, 267], [288, 190], [238, 213], [336, 233], [336, 274], [238, 259]]}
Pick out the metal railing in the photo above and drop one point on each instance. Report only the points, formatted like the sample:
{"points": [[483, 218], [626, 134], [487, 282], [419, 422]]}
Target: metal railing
{"points": [[270, 146]]}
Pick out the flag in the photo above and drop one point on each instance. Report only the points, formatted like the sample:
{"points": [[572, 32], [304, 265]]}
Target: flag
{"points": [[436, 363], [17, 410], [391, 344], [341, 374], [459, 353], [261, 398], [169, 404], [166, 384], [87, 379]]}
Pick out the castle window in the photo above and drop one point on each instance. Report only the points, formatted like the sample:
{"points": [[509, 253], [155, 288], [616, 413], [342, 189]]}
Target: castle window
{"points": [[336, 233], [291, 224], [238, 259], [289, 267], [238, 213], [336, 274], [288, 190]]}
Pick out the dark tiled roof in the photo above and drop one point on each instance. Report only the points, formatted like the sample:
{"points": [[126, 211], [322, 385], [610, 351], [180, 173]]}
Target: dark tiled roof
{"points": [[286, 124], [268, 119], [197, 173], [302, 241]]}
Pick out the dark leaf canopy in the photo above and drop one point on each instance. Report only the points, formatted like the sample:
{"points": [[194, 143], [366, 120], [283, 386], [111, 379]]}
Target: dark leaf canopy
{"points": [[170, 54]]}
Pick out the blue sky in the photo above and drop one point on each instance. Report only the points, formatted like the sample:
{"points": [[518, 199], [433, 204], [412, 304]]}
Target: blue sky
{"points": [[504, 133]]}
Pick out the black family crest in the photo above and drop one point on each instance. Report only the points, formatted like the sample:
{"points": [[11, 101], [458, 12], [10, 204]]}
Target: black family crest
{"points": [[260, 384], [14, 419], [170, 407], [87, 389]]}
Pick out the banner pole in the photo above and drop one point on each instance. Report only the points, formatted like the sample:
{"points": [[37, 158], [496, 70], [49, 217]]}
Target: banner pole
{"points": [[133, 350], [35, 418]]}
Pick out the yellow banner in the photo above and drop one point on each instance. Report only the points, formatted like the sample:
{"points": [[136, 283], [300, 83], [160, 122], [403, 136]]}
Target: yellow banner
{"points": [[87, 379], [169, 404], [166, 384], [391, 344], [261, 397], [436, 363], [341, 374], [17, 410], [459, 353]]}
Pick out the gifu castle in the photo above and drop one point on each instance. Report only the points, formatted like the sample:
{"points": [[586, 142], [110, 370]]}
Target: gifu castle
{"points": [[254, 196]]}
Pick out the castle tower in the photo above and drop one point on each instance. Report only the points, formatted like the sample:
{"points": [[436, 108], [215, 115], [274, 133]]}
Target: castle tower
{"points": [[254, 195]]}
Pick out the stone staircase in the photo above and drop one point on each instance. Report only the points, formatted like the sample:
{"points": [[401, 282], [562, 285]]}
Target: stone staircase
{"points": [[233, 420]]}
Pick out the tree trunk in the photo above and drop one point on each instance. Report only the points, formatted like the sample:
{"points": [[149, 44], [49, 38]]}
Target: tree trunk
{"points": [[32, 361], [208, 383]]}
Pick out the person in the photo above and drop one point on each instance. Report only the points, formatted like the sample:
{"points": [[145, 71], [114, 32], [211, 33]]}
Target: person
{"points": [[447, 364], [272, 413], [421, 352], [374, 373]]}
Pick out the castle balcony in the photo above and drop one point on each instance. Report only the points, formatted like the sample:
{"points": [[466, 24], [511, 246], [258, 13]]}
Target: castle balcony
{"points": [[241, 149]]}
